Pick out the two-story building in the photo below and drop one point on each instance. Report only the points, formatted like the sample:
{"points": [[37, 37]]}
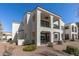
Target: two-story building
{"points": [[42, 26], [71, 31]]}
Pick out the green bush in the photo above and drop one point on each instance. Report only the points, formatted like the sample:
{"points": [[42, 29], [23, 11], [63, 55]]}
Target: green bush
{"points": [[29, 47], [72, 50], [50, 44]]}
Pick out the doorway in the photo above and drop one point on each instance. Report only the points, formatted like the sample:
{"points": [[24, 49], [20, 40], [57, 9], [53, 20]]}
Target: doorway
{"points": [[45, 37]]}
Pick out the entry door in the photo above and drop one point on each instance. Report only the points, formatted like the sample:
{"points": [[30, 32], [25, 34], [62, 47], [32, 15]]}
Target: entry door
{"points": [[56, 36], [45, 38], [42, 38], [73, 36]]}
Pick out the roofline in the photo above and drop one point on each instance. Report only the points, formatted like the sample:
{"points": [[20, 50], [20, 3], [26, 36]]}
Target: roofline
{"points": [[43, 10], [16, 22], [47, 11], [39, 8], [28, 12], [71, 23]]}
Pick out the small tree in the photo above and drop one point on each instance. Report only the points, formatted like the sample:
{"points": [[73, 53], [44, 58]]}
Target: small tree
{"points": [[1, 33]]}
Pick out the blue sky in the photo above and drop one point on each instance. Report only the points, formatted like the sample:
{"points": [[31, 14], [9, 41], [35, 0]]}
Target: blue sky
{"points": [[15, 12]]}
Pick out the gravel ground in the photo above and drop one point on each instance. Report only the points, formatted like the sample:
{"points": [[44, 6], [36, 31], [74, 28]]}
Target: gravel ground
{"points": [[40, 51]]}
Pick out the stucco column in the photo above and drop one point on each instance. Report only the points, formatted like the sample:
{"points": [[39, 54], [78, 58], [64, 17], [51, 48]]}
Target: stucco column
{"points": [[60, 30], [52, 37], [77, 33], [51, 21], [60, 36], [70, 32], [38, 28]]}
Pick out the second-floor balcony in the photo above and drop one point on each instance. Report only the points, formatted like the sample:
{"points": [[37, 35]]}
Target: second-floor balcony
{"points": [[45, 23], [45, 20], [56, 26], [56, 23]]}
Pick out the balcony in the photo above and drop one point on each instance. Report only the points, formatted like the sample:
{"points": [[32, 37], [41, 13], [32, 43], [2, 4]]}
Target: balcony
{"points": [[56, 23], [56, 26], [45, 20], [45, 23]]}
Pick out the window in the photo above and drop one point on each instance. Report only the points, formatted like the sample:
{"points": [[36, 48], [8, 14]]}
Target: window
{"points": [[66, 27], [55, 35], [45, 23], [66, 36], [75, 29], [72, 28]]}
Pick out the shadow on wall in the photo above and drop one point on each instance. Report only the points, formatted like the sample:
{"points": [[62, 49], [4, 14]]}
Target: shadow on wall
{"points": [[21, 33], [20, 36]]}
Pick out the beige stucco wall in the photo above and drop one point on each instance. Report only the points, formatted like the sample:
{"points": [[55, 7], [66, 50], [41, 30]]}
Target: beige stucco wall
{"points": [[69, 31], [31, 25], [15, 27]]}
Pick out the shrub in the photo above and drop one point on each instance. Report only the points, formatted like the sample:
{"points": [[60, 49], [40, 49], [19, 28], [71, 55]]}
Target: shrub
{"points": [[29, 48], [72, 50], [50, 44], [10, 41], [76, 52], [59, 42]]}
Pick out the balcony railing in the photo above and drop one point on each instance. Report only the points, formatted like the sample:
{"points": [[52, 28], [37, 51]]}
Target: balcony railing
{"points": [[56, 26], [45, 23]]}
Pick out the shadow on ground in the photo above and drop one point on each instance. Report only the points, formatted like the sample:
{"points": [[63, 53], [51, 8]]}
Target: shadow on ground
{"points": [[46, 53]]}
